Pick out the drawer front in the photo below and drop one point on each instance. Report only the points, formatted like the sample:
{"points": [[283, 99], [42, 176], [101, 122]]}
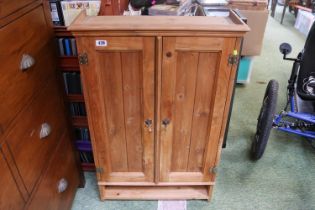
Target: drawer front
{"points": [[10, 196], [28, 35], [8, 6], [26, 139], [58, 186]]}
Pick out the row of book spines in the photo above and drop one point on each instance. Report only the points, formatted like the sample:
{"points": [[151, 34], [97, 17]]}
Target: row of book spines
{"points": [[86, 157], [82, 134], [72, 83], [56, 13], [77, 109], [67, 47]]}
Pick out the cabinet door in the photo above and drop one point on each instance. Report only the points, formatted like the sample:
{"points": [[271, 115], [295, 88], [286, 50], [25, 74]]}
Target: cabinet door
{"points": [[118, 86], [194, 86]]}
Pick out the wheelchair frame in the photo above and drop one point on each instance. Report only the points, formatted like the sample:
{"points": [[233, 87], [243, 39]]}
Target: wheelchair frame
{"points": [[304, 121]]}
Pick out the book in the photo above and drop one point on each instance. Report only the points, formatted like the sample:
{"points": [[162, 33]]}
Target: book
{"points": [[71, 9], [82, 110], [64, 75], [82, 134], [72, 109], [74, 47], [77, 133], [77, 109], [86, 134], [60, 44], [67, 47], [56, 12], [86, 157], [72, 83]]}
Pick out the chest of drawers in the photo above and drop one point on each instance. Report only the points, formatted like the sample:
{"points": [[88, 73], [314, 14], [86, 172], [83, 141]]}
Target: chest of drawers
{"points": [[36, 154]]}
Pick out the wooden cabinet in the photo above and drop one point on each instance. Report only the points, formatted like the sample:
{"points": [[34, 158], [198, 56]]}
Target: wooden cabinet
{"points": [[32, 113], [157, 95]]}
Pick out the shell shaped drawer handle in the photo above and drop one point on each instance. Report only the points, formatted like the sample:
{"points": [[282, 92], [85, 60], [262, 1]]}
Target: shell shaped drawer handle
{"points": [[44, 131], [62, 185], [27, 62]]}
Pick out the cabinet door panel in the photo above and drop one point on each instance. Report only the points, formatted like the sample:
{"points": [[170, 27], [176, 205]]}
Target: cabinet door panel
{"points": [[120, 97], [193, 105]]}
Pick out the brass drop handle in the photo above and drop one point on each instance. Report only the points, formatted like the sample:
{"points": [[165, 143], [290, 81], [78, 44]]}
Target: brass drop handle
{"points": [[44, 131], [165, 122], [148, 124], [62, 185], [27, 62]]}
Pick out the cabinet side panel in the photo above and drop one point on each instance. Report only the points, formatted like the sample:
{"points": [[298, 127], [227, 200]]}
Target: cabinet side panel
{"points": [[92, 95], [221, 97]]}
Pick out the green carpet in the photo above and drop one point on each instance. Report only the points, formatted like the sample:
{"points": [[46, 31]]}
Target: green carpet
{"points": [[283, 179]]}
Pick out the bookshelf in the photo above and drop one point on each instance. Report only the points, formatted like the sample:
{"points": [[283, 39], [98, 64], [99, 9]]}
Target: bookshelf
{"points": [[70, 65], [75, 97]]}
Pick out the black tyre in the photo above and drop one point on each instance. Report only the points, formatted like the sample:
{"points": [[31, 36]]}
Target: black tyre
{"points": [[265, 120]]}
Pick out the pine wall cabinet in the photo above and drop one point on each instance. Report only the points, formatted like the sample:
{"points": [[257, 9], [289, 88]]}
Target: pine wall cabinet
{"points": [[158, 92]]}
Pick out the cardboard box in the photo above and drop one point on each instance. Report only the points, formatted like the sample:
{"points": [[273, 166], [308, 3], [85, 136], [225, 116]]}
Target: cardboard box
{"points": [[253, 40], [248, 4]]}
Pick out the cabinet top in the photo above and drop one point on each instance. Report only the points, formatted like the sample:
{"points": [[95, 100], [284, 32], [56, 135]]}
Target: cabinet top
{"points": [[142, 25]]}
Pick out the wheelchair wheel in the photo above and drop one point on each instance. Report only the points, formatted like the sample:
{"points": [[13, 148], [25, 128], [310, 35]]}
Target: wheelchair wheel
{"points": [[265, 120]]}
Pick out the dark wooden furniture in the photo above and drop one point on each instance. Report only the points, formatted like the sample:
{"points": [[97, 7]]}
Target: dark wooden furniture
{"points": [[37, 160], [158, 93], [113, 7]]}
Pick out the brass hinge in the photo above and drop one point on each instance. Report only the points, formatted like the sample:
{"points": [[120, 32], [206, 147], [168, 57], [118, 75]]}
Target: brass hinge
{"points": [[99, 170], [233, 58], [83, 58], [213, 170]]}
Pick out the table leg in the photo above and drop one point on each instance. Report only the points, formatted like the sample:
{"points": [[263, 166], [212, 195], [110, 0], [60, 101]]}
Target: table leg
{"points": [[273, 7]]}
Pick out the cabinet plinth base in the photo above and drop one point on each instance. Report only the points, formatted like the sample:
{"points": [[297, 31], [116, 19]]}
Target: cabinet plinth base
{"points": [[155, 193]]}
